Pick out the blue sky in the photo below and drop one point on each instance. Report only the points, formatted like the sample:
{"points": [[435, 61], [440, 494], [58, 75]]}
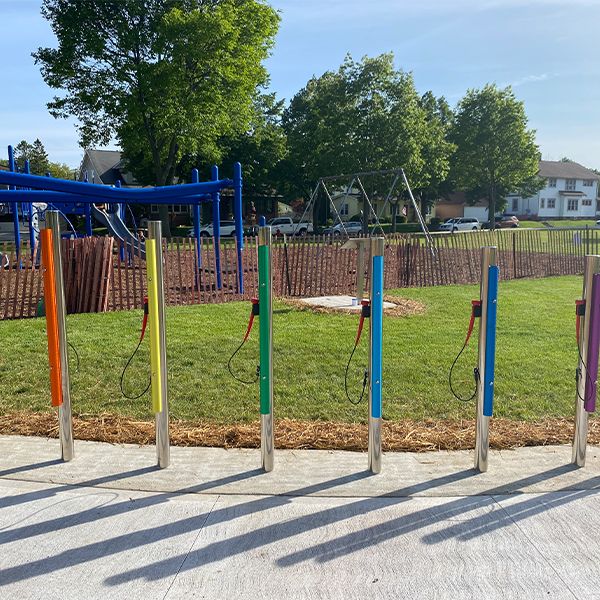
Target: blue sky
{"points": [[546, 49]]}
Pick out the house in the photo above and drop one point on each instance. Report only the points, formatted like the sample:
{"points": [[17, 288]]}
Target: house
{"points": [[455, 205], [349, 203], [105, 167], [570, 191]]}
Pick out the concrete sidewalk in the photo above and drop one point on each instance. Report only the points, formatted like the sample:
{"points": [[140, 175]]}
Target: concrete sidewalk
{"points": [[111, 525]]}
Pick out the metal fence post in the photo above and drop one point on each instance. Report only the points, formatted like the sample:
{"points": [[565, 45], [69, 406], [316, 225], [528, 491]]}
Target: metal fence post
{"points": [[158, 341], [64, 410], [265, 300], [487, 354], [592, 267], [375, 354]]}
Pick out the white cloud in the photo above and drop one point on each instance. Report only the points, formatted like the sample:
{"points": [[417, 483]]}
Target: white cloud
{"points": [[531, 79]]}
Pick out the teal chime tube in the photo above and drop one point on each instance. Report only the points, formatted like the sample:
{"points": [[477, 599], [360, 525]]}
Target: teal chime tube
{"points": [[375, 354], [265, 300]]}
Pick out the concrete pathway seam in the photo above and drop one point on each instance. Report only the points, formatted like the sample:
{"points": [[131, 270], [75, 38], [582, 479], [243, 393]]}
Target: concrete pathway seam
{"points": [[534, 546], [190, 548]]}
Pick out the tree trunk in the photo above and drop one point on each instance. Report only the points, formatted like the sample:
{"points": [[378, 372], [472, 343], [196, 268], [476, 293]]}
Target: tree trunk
{"points": [[394, 216], [492, 208]]}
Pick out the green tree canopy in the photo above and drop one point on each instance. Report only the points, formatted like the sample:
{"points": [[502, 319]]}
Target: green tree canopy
{"points": [[260, 148], [35, 153], [39, 163], [496, 153], [165, 78], [366, 116]]}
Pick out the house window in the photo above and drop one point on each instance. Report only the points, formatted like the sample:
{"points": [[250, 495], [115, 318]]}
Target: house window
{"points": [[551, 203], [570, 185], [344, 209], [515, 204], [572, 204], [552, 182], [586, 202], [542, 202], [588, 182]]}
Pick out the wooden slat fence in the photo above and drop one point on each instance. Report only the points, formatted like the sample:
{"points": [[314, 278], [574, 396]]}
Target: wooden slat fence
{"points": [[103, 275]]}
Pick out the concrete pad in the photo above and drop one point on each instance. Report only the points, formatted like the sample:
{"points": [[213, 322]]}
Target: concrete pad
{"points": [[112, 544], [297, 473], [341, 303], [319, 526]]}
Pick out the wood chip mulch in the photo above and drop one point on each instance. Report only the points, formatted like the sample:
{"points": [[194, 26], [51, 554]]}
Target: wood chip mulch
{"points": [[407, 435]]}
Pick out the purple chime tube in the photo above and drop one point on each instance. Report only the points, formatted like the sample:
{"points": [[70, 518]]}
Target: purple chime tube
{"points": [[593, 348]]}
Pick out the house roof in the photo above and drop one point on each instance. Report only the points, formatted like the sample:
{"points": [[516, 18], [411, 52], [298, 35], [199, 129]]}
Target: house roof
{"points": [[108, 167], [565, 170]]}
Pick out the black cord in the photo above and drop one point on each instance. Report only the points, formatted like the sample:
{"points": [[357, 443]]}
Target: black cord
{"points": [[475, 373], [234, 375], [76, 356], [578, 374], [123, 375], [365, 379]]}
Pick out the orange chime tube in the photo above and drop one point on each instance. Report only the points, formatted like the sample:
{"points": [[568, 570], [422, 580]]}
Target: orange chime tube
{"points": [[51, 317]]}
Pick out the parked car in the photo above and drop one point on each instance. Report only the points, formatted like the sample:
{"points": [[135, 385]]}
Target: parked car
{"points": [[286, 225], [227, 230], [350, 227], [460, 224], [507, 221]]}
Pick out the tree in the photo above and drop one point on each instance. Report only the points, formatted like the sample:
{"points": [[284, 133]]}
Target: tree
{"points": [[166, 78], [35, 153], [366, 116], [260, 149], [496, 153]]}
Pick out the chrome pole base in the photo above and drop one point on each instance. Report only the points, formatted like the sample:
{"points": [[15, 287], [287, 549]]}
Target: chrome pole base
{"points": [[374, 445], [267, 442]]}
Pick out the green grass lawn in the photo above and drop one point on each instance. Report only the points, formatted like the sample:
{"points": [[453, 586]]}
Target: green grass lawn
{"points": [[562, 223], [534, 378]]}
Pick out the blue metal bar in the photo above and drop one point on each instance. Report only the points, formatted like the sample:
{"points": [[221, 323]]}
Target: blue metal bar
{"points": [[376, 336], [490, 341], [73, 198], [14, 205], [197, 227], [217, 226], [239, 222], [152, 195]]}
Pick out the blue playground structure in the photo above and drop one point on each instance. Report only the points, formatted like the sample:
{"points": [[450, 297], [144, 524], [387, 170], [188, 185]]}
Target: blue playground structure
{"points": [[29, 196]]}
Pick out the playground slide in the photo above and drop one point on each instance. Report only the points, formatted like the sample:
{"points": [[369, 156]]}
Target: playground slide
{"points": [[118, 229]]}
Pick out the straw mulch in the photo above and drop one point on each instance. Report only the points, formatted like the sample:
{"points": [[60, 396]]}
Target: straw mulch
{"points": [[403, 307], [414, 436]]}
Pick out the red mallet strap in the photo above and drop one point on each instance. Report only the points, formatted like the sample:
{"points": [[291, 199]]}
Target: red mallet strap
{"points": [[253, 313], [365, 313], [475, 312]]}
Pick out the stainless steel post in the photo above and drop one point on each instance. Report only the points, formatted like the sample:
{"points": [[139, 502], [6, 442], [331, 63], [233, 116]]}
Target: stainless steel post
{"points": [[375, 354], [482, 436], [265, 297], [65, 422], [163, 449], [592, 266]]}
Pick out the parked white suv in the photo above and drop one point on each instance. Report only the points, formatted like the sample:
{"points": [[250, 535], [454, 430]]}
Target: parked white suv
{"points": [[227, 228], [460, 224]]}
